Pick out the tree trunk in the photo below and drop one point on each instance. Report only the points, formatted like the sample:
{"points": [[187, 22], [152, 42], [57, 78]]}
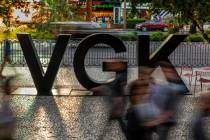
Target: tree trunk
{"points": [[205, 36], [89, 10], [200, 27], [193, 28]]}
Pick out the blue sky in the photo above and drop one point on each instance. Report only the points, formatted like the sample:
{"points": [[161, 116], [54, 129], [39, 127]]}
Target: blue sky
{"points": [[22, 17]]}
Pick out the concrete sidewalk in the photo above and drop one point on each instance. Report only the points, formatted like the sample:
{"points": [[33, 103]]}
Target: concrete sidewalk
{"points": [[77, 117], [82, 118]]}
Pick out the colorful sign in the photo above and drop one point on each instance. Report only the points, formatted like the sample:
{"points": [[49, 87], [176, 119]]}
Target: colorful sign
{"points": [[107, 1], [102, 6], [99, 5], [44, 82]]}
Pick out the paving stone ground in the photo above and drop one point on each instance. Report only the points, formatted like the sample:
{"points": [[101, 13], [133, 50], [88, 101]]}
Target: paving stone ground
{"points": [[78, 117], [81, 118]]}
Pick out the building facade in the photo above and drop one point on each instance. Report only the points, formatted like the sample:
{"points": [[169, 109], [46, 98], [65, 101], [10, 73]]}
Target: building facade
{"points": [[101, 9]]}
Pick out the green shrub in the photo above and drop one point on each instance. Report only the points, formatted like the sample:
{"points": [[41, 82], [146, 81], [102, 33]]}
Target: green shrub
{"points": [[9, 34], [21, 28], [131, 23], [173, 30], [3, 28], [207, 31], [195, 38], [130, 36], [158, 36], [12, 34], [136, 20], [42, 35]]}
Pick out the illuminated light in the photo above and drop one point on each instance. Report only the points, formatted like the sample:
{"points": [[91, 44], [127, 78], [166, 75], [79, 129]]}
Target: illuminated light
{"points": [[102, 13], [102, 5], [81, 2], [97, 2]]}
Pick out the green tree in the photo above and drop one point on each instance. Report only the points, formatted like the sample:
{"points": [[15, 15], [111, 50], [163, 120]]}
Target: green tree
{"points": [[6, 9], [133, 8], [62, 10], [134, 4], [195, 12]]}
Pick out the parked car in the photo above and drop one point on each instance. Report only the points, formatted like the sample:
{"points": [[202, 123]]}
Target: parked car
{"points": [[152, 25]]}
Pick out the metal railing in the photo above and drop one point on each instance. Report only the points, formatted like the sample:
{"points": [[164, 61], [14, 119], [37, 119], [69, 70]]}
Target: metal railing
{"points": [[186, 54]]}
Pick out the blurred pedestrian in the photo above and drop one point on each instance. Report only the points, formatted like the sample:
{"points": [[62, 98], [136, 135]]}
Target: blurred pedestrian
{"points": [[166, 98], [7, 117], [199, 125], [103, 19], [103, 22], [121, 20], [6, 58], [116, 91], [141, 110]]}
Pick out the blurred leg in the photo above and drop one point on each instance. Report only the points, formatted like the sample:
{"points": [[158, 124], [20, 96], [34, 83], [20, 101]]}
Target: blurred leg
{"points": [[2, 67], [162, 131]]}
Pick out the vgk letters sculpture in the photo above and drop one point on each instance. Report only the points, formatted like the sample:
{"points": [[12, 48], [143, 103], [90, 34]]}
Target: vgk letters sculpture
{"points": [[44, 82]]}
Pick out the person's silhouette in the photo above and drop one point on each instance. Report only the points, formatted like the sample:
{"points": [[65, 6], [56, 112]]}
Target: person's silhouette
{"points": [[6, 59]]}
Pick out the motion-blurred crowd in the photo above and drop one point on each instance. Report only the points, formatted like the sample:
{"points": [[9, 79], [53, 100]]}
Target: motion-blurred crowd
{"points": [[145, 108], [151, 109]]}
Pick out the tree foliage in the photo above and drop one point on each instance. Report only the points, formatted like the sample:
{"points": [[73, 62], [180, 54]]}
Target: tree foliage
{"points": [[47, 10], [189, 11], [62, 10], [134, 4], [7, 7]]}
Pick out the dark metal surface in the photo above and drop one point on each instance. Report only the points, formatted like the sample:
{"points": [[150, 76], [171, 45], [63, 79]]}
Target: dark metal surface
{"points": [[81, 51], [143, 50], [166, 48], [163, 52], [118, 66], [43, 82]]}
